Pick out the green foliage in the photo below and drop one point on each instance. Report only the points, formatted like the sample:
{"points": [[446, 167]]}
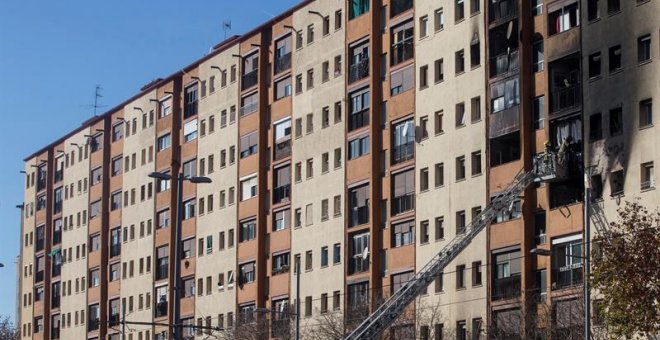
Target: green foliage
{"points": [[626, 271]]}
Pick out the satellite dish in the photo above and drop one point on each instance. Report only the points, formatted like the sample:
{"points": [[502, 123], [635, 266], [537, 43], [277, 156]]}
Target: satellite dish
{"points": [[509, 30], [365, 253]]}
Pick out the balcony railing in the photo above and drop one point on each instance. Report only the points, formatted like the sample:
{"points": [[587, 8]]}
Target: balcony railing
{"points": [[358, 119], [567, 97], [55, 302], [113, 320], [249, 79], [403, 152], [280, 270], [359, 215], [568, 276], [56, 270], [281, 193], [249, 108], [55, 333], [358, 264], [57, 237], [93, 325], [190, 109], [41, 183], [115, 250], [40, 244], [39, 276], [283, 63], [161, 272], [403, 203], [161, 309], [402, 52], [282, 150], [59, 175], [504, 64], [400, 6], [358, 70], [506, 288], [503, 9]]}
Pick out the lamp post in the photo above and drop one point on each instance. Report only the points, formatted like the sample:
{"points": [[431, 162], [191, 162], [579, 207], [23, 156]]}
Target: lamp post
{"points": [[586, 291], [176, 304]]}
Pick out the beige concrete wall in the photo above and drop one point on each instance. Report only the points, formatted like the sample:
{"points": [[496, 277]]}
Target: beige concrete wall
{"points": [[222, 218], [28, 261], [132, 215], [445, 201], [323, 185], [75, 237], [636, 82]]}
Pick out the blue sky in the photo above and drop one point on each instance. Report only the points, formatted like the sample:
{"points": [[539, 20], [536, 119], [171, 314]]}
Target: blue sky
{"points": [[53, 53]]}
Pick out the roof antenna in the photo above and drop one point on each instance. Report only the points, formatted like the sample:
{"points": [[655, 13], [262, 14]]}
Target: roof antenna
{"points": [[97, 95], [226, 27]]}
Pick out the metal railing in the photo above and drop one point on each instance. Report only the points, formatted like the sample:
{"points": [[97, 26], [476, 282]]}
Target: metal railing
{"points": [[358, 70], [402, 52], [282, 150], [359, 215], [567, 97], [249, 108], [283, 63], [358, 119], [403, 203], [568, 276], [39, 276], [358, 264], [506, 288], [93, 324], [281, 193], [403, 152], [501, 10], [504, 64], [249, 79], [113, 320], [56, 270], [190, 109]]}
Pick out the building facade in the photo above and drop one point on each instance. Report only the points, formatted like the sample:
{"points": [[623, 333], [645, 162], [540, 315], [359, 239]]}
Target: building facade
{"points": [[346, 142]]}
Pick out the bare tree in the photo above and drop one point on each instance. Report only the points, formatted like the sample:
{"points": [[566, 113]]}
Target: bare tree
{"points": [[8, 331]]}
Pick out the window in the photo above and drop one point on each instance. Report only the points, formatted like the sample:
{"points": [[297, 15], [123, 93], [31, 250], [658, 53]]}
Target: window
{"points": [[190, 168], [424, 77], [164, 142], [424, 179], [189, 209], [188, 247], [439, 175], [94, 278], [309, 260], [325, 71], [424, 232], [117, 132], [567, 261], [594, 65], [358, 202], [423, 26], [459, 10], [593, 12], [96, 175], [439, 228], [475, 53], [476, 163], [358, 253], [96, 142], [115, 201], [537, 7], [460, 222], [248, 144], [324, 257], [475, 107], [280, 264], [460, 168], [403, 234], [616, 121], [613, 6], [644, 48], [399, 280], [505, 95], [537, 55], [359, 109], [615, 58], [539, 228], [506, 276], [310, 34], [163, 219], [281, 220], [357, 8], [402, 48], [647, 180], [460, 276], [190, 101], [248, 188], [247, 273], [310, 168], [338, 19], [563, 19], [459, 61], [310, 79], [190, 131], [162, 262], [476, 273], [117, 165], [538, 112], [94, 209], [283, 88], [403, 192], [439, 19], [595, 127], [403, 141], [358, 147], [645, 113], [248, 231], [310, 123]]}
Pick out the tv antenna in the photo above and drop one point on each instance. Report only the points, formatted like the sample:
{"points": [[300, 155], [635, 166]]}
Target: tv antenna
{"points": [[226, 27], [97, 95]]}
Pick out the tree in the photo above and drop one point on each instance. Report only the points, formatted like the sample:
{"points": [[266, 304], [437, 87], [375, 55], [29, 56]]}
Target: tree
{"points": [[8, 330], [626, 272]]}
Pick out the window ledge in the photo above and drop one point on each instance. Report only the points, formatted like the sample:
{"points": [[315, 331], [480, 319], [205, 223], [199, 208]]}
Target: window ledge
{"points": [[644, 62], [593, 21], [647, 189], [595, 78], [477, 175], [617, 71], [645, 127], [613, 13]]}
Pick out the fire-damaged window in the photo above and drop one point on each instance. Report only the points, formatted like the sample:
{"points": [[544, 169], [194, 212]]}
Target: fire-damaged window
{"points": [[505, 149], [566, 141]]}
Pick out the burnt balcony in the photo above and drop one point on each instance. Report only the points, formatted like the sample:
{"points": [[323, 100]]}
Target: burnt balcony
{"points": [[565, 98], [359, 215], [403, 152], [358, 70], [502, 10], [567, 276], [504, 64], [282, 150], [402, 204], [190, 109], [283, 63], [115, 250], [281, 193], [358, 119], [506, 288], [249, 79]]}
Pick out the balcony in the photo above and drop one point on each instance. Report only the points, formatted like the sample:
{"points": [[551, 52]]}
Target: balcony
{"points": [[283, 63], [358, 119], [359, 215], [281, 193], [59, 175], [249, 108], [282, 150], [506, 288], [41, 182], [56, 270], [280, 270], [57, 237], [113, 320], [55, 302], [565, 98], [502, 10], [403, 152], [400, 6], [402, 52], [567, 276], [161, 308], [402, 204], [249, 79], [55, 332], [39, 244], [504, 64], [39, 276], [358, 264], [358, 70], [161, 271], [190, 109], [115, 250], [93, 325]]}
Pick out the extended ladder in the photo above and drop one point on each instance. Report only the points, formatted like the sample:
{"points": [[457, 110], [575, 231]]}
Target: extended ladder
{"points": [[376, 323]]}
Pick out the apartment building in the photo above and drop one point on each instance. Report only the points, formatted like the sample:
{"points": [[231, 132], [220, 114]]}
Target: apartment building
{"points": [[346, 143]]}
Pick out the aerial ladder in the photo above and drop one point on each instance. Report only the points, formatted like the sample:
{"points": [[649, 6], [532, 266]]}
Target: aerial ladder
{"points": [[547, 167]]}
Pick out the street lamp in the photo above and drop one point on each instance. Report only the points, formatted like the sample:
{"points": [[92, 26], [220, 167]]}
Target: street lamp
{"points": [[586, 291], [176, 304]]}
